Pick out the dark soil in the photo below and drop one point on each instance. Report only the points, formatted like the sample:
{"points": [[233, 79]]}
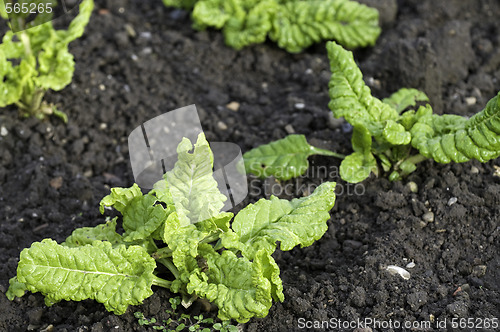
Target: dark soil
{"points": [[138, 60]]}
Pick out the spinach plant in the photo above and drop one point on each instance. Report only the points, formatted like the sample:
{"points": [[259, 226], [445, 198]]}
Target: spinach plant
{"points": [[293, 24], [383, 131], [37, 59], [176, 237]]}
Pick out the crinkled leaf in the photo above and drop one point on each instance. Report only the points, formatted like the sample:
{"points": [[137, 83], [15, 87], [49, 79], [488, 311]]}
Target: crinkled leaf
{"points": [[120, 198], [297, 222], [192, 185], [248, 27], [240, 288], [142, 217], [87, 235], [117, 277], [357, 166], [299, 24], [448, 138], [16, 288], [404, 98], [350, 97], [395, 133], [284, 159]]}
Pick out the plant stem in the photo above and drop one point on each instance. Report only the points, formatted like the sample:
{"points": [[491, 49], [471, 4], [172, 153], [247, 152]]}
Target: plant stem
{"points": [[168, 263], [416, 159], [161, 253], [161, 282], [325, 152]]}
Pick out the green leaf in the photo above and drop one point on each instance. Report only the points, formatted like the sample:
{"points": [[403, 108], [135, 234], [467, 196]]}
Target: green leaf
{"points": [[192, 185], [16, 288], [251, 26], [87, 235], [297, 222], [361, 139], [237, 286], [185, 4], [396, 134], [357, 166], [284, 159], [120, 198], [350, 97], [141, 217], [115, 277], [299, 24], [448, 138], [404, 98]]}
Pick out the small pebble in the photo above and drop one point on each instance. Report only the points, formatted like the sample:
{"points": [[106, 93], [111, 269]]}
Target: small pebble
{"points": [[289, 129], [413, 186], [300, 106], [221, 125], [233, 106], [470, 101], [428, 217], [3, 131], [452, 201], [410, 265], [102, 87], [393, 269], [103, 126], [474, 170]]}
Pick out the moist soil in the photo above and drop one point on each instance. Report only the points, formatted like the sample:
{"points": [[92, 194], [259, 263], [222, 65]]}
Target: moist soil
{"points": [[138, 60]]}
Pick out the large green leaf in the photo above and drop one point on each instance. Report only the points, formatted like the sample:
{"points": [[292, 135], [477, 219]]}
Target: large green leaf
{"points": [[297, 222], [240, 288], [299, 24], [117, 277], [192, 185], [448, 138], [284, 159]]}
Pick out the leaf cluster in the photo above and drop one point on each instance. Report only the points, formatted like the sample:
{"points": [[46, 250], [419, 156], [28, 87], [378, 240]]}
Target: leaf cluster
{"points": [[176, 236], [293, 24], [37, 59], [385, 132]]}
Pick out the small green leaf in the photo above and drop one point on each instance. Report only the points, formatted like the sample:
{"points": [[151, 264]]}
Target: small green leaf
{"points": [[404, 98], [16, 288], [361, 139], [357, 167], [120, 198], [396, 134], [87, 235], [284, 159]]}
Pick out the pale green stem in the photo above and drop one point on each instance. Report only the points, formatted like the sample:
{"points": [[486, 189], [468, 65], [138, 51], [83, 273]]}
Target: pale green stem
{"points": [[161, 282], [417, 159], [168, 263], [325, 152], [161, 253]]}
